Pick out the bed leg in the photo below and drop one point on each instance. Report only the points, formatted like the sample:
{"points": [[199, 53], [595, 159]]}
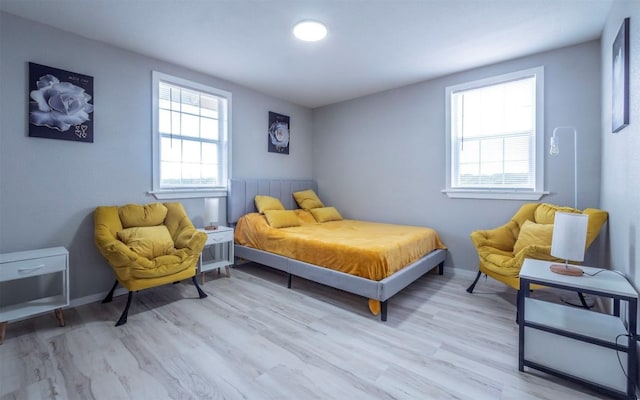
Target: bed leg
{"points": [[383, 310], [289, 281], [441, 268]]}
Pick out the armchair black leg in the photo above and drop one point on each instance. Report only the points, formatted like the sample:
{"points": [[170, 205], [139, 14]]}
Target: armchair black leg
{"points": [[123, 317], [200, 292], [583, 301], [110, 294], [473, 285]]}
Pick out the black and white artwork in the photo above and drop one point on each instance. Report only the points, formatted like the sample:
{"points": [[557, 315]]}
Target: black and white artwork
{"points": [[278, 133], [60, 104], [620, 79]]}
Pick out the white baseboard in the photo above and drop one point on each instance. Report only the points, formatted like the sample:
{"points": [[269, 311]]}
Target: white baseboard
{"points": [[466, 273], [80, 301], [93, 298]]}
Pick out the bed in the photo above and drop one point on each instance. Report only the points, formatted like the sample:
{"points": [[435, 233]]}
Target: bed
{"points": [[241, 203]]}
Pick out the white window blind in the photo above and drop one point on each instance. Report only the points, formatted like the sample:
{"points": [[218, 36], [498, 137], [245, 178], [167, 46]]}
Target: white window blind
{"points": [[493, 137], [191, 136]]}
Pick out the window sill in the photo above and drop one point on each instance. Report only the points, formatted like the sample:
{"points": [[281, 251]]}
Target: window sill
{"points": [[168, 194], [492, 194]]}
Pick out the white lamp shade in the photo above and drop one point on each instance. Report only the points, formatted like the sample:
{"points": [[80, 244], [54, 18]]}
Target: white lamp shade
{"points": [[211, 208], [569, 236]]}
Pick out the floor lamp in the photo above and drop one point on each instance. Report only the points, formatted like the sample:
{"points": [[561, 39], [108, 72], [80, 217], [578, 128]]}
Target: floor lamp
{"points": [[555, 150]]}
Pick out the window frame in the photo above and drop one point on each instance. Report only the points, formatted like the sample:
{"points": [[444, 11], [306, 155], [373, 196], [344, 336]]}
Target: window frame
{"points": [[181, 192], [498, 193]]}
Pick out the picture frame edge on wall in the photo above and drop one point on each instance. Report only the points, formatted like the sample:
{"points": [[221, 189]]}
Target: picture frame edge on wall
{"points": [[620, 78]]}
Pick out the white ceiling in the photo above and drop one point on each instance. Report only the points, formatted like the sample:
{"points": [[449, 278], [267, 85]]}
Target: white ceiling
{"points": [[372, 45]]}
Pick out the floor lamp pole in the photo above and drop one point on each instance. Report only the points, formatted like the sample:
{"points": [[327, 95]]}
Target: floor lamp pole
{"points": [[555, 150]]}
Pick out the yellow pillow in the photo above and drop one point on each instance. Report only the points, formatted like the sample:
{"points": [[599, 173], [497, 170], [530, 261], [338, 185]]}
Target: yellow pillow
{"points": [[264, 203], [148, 241], [281, 218], [305, 217], [142, 215], [326, 214], [307, 199], [545, 213], [532, 233]]}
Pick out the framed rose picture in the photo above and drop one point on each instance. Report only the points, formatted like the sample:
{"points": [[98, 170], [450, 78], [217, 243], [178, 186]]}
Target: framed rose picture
{"points": [[278, 133], [60, 104], [620, 79]]}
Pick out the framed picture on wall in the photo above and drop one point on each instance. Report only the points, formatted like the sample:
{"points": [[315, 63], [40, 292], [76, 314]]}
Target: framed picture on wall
{"points": [[278, 133], [620, 78], [60, 104]]}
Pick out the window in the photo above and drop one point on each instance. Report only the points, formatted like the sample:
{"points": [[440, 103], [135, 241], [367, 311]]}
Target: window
{"points": [[495, 137], [191, 138]]}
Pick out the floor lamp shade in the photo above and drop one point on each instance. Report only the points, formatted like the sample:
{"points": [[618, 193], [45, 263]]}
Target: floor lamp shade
{"points": [[569, 236]]}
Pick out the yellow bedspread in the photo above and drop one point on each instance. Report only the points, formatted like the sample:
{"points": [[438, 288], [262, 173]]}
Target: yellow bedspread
{"points": [[367, 249]]}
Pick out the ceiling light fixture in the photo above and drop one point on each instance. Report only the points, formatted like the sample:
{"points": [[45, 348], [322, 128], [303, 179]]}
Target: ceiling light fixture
{"points": [[310, 31]]}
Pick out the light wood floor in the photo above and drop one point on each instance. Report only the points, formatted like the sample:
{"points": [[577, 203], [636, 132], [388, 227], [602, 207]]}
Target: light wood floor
{"points": [[253, 338]]}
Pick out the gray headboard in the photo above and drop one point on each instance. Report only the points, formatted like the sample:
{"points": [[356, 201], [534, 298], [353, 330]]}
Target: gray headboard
{"points": [[243, 191]]}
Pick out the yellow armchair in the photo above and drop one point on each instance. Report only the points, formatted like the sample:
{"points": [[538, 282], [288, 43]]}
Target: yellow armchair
{"points": [[147, 246], [501, 254]]}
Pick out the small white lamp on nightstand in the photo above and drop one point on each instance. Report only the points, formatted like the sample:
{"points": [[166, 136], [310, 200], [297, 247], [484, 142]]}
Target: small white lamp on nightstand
{"points": [[211, 208], [568, 241]]}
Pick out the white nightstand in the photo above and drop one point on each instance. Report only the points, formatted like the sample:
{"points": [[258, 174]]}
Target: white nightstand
{"points": [[50, 264], [218, 250], [575, 343]]}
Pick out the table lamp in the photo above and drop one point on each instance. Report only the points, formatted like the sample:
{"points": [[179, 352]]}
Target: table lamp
{"points": [[568, 241], [211, 208]]}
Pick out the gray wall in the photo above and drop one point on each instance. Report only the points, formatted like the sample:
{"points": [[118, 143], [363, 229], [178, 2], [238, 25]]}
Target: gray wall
{"points": [[381, 157], [49, 188], [621, 151]]}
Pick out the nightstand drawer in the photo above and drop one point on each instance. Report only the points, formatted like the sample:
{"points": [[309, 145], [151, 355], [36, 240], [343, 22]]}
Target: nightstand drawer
{"points": [[219, 237], [32, 267]]}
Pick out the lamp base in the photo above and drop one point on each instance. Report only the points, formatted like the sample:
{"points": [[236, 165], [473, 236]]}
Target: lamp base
{"points": [[566, 270]]}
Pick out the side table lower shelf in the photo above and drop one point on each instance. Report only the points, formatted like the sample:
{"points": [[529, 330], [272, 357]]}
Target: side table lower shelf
{"points": [[582, 343], [52, 264]]}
